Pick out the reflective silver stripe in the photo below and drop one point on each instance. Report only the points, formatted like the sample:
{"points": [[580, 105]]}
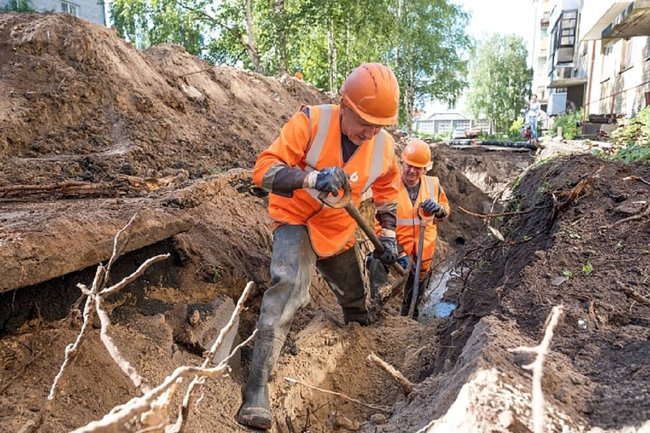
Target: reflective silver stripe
{"points": [[377, 162], [432, 189], [269, 176], [408, 221], [313, 155]]}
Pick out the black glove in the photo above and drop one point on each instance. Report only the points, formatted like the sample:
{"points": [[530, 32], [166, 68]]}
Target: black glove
{"points": [[403, 261], [430, 207], [331, 179], [389, 256]]}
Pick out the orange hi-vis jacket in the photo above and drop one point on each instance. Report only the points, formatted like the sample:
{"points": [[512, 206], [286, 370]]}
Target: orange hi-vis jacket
{"points": [[313, 143], [408, 221]]}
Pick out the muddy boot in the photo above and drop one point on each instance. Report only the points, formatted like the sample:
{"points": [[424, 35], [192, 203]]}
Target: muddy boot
{"points": [[255, 410], [343, 274], [292, 263]]}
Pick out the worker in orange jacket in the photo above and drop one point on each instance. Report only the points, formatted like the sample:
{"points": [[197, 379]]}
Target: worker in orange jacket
{"points": [[322, 149], [298, 73], [418, 191]]}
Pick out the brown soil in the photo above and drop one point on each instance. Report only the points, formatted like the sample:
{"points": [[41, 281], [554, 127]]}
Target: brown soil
{"points": [[85, 106]]}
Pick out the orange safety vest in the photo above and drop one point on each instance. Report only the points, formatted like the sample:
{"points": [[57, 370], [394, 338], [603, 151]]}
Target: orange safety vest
{"points": [[333, 230], [408, 222]]}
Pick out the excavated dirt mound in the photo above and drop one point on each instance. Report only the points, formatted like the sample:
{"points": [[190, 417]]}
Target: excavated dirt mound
{"points": [[580, 237], [80, 103]]}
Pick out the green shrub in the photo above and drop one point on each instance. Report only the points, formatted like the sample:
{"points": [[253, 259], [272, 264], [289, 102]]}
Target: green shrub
{"points": [[17, 6], [514, 133], [570, 123], [631, 140]]}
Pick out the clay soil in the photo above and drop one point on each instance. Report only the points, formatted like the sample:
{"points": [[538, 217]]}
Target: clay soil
{"points": [[93, 131]]}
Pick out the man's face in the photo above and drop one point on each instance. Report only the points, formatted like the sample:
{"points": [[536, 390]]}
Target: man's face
{"points": [[411, 175], [355, 128]]}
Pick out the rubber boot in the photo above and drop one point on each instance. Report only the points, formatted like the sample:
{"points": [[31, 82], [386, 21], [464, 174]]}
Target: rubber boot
{"points": [[256, 409], [344, 276], [292, 263]]}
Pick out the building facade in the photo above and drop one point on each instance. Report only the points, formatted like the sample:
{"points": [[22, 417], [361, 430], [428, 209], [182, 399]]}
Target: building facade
{"points": [[598, 56], [91, 10]]}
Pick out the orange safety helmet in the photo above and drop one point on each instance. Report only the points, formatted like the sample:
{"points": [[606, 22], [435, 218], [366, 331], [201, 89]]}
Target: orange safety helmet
{"points": [[371, 91], [417, 153]]}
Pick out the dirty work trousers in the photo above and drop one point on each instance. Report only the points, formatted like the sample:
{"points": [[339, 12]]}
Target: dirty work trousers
{"points": [[408, 293], [292, 263]]}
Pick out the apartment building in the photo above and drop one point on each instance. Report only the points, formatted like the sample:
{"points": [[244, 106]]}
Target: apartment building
{"points": [[598, 56], [91, 10]]}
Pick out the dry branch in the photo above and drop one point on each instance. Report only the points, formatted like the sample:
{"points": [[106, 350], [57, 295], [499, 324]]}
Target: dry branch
{"points": [[113, 422], [496, 215], [638, 216], [630, 293], [639, 178], [406, 384], [195, 386], [338, 394], [537, 367]]}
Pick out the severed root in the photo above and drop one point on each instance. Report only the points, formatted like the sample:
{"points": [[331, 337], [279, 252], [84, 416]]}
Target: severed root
{"points": [[337, 421], [630, 293], [537, 366], [338, 394], [406, 384]]}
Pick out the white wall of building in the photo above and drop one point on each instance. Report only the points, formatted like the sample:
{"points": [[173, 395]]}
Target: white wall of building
{"points": [[91, 10]]}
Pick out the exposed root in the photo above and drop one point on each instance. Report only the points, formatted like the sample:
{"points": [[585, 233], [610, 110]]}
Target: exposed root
{"points": [[630, 293], [338, 394], [537, 367], [406, 384], [639, 178], [638, 216], [496, 215], [195, 386]]}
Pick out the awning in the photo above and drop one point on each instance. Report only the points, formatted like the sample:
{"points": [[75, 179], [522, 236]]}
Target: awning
{"points": [[631, 22], [595, 32]]}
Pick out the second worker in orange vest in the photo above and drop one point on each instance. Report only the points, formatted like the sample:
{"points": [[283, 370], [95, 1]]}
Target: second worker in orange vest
{"points": [[321, 149], [416, 190]]}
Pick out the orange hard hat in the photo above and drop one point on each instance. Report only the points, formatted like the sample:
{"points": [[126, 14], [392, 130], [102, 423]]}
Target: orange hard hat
{"points": [[371, 91], [417, 153]]}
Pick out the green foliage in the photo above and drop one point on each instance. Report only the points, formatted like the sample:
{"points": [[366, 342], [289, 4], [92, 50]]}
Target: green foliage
{"points": [[570, 123], [514, 133], [18, 6], [587, 268], [499, 80], [428, 52], [632, 138], [152, 22], [424, 41]]}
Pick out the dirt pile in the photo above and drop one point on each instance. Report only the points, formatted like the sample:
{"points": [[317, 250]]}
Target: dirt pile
{"points": [[80, 103]]}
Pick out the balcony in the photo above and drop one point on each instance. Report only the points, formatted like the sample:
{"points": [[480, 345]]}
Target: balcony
{"points": [[566, 76], [634, 20], [621, 20]]}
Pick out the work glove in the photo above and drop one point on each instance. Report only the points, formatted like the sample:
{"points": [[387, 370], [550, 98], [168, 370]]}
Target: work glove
{"points": [[331, 179], [403, 261], [389, 256], [431, 207]]}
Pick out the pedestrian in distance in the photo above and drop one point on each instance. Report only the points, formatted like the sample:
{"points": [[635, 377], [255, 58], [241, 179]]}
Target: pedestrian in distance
{"points": [[532, 115], [322, 150]]}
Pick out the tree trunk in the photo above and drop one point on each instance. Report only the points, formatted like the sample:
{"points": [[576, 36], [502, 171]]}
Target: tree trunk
{"points": [[331, 54], [251, 48], [281, 40]]}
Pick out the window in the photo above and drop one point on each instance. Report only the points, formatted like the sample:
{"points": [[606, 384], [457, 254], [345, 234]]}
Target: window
{"points": [[627, 48], [606, 66], [70, 8]]}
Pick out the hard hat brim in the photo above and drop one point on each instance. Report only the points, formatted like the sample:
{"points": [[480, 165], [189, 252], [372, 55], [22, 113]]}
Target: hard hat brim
{"points": [[374, 120]]}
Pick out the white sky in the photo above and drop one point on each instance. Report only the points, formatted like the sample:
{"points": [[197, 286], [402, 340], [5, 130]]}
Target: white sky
{"points": [[496, 16], [500, 16]]}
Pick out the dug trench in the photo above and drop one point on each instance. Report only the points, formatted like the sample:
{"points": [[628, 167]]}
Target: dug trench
{"points": [[165, 136]]}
